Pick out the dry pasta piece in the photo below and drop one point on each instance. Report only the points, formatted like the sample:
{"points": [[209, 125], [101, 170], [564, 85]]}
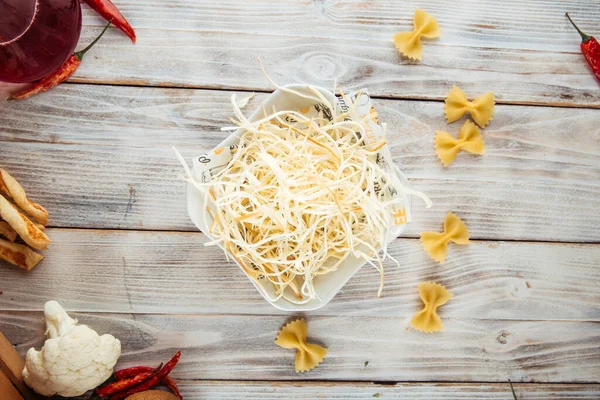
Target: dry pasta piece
{"points": [[409, 43], [433, 296], [469, 140], [12, 189], [457, 104], [7, 231], [436, 244], [293, 336]]}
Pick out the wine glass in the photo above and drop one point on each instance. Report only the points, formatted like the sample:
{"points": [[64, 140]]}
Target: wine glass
{"points": [[36, 37]]}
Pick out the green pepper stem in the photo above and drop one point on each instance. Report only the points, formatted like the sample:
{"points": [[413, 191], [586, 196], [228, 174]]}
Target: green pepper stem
{"points": [[81, 53], [584, 37]]}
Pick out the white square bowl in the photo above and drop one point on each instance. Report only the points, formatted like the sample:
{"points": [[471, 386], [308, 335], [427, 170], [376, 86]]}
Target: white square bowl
{"points": [[326, 286]]}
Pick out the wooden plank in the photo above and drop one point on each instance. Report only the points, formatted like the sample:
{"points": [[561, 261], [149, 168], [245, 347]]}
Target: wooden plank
{"points": [[159, 272], [525, 51], [11, 367], [218, 390], [241, 347], [537, 181], [9, 392]]}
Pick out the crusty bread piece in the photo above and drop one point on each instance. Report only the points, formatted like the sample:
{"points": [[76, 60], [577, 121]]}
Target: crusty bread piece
{"points": [[23, 225], [152, 395], [7, 231], [19, 255], [13, 189]]}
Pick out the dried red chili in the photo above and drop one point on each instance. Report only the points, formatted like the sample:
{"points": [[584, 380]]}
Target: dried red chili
{"points": [[132, 371], [124, 384], [170, 383], [58, 76], [153, 381], [129, 372], [590, 49], [107, 10]]}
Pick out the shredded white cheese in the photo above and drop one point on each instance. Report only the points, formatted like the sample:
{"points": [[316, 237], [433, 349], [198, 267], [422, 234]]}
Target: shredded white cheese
{"points": [[299, 197]]}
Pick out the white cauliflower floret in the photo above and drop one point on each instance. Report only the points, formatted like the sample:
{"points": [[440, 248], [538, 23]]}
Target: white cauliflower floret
{"points": [[74, 358]]}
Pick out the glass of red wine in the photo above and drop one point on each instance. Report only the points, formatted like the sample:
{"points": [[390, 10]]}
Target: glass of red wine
{"points": [[36, 37]]}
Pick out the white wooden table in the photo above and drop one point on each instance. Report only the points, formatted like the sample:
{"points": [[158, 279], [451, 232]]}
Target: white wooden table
{"points": [[126, 259]]}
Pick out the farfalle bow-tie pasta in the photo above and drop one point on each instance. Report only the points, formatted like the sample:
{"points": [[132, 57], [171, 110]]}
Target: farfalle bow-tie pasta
{"points": [[457, 104], [433, 296], [436, 244], [469, 140], [293, 336], [409, 43]]}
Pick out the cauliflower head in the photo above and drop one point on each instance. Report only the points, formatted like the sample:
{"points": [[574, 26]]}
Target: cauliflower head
{"points": [[74, 358]]}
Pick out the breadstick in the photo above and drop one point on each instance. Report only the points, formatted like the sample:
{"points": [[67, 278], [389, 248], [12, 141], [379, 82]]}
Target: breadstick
{"points": [[23, 225], [19, 255], [7, 231], [12, 189]]}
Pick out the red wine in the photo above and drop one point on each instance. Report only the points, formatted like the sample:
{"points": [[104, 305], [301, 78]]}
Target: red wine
{"points": [[36, 37]]}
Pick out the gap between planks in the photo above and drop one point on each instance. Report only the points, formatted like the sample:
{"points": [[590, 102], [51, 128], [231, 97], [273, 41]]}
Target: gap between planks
{"points": [[182, 231], [385, 383], [290, 315], [245, 89], [389, 390]]}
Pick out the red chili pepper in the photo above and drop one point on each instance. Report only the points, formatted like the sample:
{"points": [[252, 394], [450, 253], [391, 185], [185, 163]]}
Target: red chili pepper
{"points": [[128, 372], [170, 383], [58, 76], [124, 384], [153, 381], [110, 12], [133, 371], [590, 49]]}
